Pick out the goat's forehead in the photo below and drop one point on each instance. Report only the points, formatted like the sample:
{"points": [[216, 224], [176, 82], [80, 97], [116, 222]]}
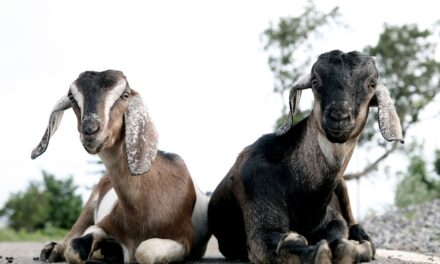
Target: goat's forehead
{"points": [[99, 82], [338, 62]]}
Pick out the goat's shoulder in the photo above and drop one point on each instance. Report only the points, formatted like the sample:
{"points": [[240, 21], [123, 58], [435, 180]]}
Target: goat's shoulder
{"points": [[274, 148], [169, 156], [170, 165]]}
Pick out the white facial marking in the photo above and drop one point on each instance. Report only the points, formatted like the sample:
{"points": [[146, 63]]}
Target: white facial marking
{"points": [[156, 250], [334, 152], [111, 98], [106, 205], [79, 97]]}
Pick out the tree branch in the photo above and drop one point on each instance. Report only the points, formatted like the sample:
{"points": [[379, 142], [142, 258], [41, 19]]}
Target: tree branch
{"points": [[372, 166]]}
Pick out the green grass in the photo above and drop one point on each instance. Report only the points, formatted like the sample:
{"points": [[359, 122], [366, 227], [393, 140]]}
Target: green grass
{"points": [[48, 233]]}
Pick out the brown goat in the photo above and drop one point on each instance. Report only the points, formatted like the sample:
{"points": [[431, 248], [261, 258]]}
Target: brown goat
{"points": [[146, 207]]}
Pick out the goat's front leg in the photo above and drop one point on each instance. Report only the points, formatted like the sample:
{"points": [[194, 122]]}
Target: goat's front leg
{"points": [[344, 251], [356, 231], [95, 244], [269, 238], [54, 252]]}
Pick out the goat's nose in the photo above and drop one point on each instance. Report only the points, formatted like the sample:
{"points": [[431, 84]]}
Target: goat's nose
{"points": [[339, 111], [90, 126]]}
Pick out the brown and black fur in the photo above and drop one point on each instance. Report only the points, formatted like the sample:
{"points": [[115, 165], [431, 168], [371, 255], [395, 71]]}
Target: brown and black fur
{"points": [[155, 193], [275, 204]]}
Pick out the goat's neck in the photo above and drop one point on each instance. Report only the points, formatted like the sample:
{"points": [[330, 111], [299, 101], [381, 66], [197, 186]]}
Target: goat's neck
{"points": [[326, 153], [116, 164]]}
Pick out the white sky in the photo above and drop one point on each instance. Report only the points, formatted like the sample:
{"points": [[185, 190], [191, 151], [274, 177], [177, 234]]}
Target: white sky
{"points": [[199, 65]]}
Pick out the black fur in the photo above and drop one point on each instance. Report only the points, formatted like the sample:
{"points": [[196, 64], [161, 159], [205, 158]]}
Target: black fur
{"points": [[83, 245], [284, 182], [111, 250]]}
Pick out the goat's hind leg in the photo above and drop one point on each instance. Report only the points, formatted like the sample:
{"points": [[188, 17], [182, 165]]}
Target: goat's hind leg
{"points": [[158, 250]]}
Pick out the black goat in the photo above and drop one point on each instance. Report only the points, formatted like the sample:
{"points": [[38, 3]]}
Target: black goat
{"points": [[274, 205]]}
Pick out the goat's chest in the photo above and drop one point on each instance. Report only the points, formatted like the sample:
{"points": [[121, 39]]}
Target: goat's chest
{"points": [[307, 202]]}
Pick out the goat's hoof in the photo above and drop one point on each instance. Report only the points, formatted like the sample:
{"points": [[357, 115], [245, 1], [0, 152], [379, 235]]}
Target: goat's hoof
{"points": [[365, 251], [344, 251], [291, 247], [321, 254], [358, 233], [52, 252]]}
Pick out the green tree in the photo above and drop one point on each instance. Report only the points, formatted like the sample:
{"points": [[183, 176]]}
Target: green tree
{"points": [[418, 184], [404, 55], [289, 45], [64, 205], [50, 202], [27, 210]]}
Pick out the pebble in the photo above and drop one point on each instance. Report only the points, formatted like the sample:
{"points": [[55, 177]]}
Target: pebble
{"points": [[415, 228]]}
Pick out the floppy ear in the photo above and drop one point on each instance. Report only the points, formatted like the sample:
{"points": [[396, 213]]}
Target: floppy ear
{"points": [[141, 138], [302, 83], [389, 122], [54, 121]]}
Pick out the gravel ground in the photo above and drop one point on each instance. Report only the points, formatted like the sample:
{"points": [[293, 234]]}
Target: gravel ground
{"points": [[415, 228], [25, 252]]}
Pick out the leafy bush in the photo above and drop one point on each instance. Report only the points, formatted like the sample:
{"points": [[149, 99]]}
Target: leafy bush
{"points": [[50, 203]]}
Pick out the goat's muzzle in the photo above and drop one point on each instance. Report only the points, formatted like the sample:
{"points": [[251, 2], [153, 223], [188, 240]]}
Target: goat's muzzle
{"points": [[338, 121]]}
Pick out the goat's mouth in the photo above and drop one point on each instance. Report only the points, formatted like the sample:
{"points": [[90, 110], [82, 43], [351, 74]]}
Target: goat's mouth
{"points": [[92, 145], [338, 133]]}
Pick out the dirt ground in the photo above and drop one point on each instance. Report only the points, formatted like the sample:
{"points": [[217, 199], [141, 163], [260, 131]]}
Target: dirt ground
{"points": [[25, 252]]}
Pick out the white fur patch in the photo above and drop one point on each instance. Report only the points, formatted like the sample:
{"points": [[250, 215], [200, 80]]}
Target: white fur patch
{"points": [[156, 250], [106, 205], [95, 230], [79, 97], [333, 152], [110, 99], [199, 220]]}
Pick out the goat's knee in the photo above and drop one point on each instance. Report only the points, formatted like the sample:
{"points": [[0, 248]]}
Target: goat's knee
{"points": [[156, 250], [95, 244]]}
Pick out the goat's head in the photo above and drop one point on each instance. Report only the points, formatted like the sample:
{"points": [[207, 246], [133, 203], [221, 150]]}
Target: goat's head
{"points": [[108, 110], [344, 86]]}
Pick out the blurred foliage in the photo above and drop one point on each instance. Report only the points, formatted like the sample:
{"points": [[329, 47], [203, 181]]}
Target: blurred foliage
{"points": [[51, 202], [289, 44], [405, 57], [419, 184], [48, 233]]}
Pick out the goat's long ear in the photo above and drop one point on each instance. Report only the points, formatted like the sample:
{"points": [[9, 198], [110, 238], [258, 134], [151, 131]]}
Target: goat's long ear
{"points": [[389, 122], [54, 121], [141, 137], [302, 83]]}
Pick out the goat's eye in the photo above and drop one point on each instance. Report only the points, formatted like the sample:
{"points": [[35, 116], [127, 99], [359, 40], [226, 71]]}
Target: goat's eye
{"points": [[71, 98], [314, 81], [125, 95], [372, 85]]}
